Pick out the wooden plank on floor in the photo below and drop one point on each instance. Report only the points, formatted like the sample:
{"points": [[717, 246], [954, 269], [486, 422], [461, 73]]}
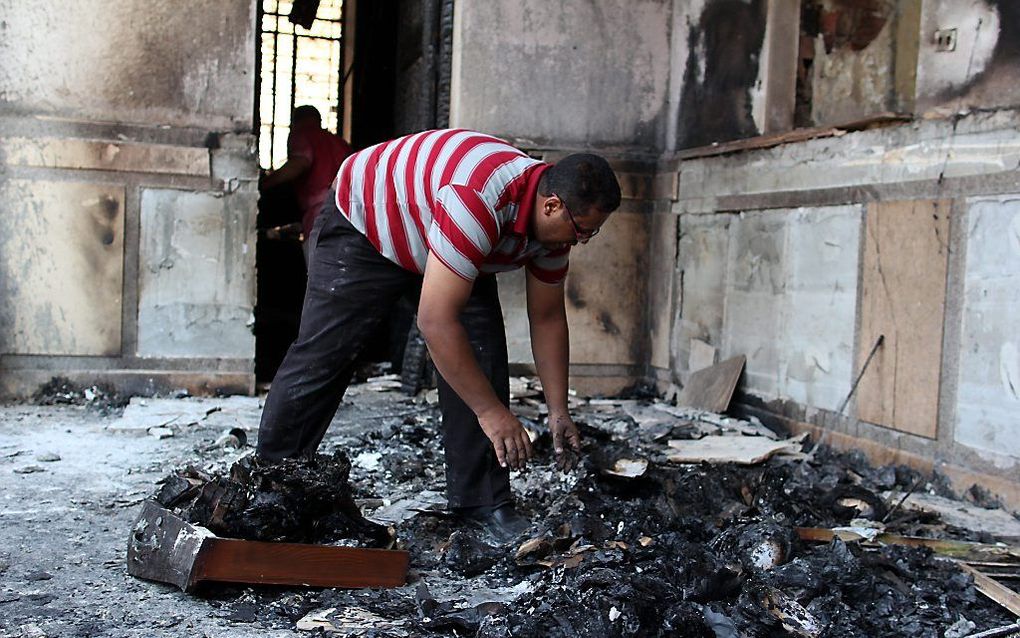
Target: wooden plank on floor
{"points": [[903, 294], [994, 589], [712, 388], [241, 561]]}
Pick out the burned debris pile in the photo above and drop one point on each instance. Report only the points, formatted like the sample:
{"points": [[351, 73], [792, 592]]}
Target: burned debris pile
{"points": [[631, 543], [295, 500], [713, 551], [62, 391]]}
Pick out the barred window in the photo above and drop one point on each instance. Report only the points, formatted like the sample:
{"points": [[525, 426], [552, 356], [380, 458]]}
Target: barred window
{"points": [[298, 66]]}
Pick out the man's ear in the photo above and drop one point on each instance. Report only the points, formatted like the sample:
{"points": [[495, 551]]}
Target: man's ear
{"points": [[551, 205]]}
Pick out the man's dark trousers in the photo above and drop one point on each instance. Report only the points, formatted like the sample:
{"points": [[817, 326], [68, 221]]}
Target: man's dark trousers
{"points": [[352, 289]]}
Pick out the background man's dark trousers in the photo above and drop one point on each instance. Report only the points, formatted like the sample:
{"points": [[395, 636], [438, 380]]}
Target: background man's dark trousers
{"points": [[351, 290]]}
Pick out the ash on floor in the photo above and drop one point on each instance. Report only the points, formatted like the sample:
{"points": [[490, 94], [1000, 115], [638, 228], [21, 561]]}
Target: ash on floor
{"points": [[629, 544]]}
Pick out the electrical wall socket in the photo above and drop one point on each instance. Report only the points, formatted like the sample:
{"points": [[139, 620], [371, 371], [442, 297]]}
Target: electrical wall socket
{"points": [[945, 40]]}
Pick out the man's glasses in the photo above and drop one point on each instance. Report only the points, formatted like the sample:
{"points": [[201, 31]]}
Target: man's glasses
{"points": [[582, 234]]}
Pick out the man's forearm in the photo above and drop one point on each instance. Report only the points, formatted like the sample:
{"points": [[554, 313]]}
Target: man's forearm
{"points": [[451, 353], [550, 345]]}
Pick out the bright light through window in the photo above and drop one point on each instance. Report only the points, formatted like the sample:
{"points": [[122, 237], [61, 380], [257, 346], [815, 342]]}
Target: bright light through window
{"points": [[299, 66]]}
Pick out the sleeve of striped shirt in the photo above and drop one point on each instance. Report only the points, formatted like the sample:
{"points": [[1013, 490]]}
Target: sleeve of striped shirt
{"points": [[464, 229], [550, 268]]}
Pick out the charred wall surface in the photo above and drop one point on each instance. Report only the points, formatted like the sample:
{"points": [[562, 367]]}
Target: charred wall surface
{"points": [[128, 175], [724, 48], [982, 70], [802, 256]]}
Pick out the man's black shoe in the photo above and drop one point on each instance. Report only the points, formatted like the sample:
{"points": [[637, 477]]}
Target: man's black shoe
{"points": [[503, 522]]}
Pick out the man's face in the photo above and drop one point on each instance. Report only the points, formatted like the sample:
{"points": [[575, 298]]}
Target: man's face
{"points": [[558, 227]]}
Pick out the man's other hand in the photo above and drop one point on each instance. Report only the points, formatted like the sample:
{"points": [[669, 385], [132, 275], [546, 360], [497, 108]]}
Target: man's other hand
{"points": [[509, 438], [566, 441]]}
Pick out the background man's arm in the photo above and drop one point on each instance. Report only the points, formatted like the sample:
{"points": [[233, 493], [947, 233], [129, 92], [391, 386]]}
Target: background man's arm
{"points": [[443, 296], [550, 345], [291, 170]]}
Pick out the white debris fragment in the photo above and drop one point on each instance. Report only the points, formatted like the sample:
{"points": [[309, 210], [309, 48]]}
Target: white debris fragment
{"points": [[368, 460], [629, 468], [857, 533], [960, 628], [384, 383], [317, 620], [614, 614], [161, 432], [32, 630]]}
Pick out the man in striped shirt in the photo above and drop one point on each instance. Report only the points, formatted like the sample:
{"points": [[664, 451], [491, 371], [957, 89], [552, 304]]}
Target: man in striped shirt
{"points": [[437, 214]]}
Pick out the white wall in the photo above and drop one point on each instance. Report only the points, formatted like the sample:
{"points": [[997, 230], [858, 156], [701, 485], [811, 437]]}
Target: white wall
{"points": [[779, 287], [988, 404]]}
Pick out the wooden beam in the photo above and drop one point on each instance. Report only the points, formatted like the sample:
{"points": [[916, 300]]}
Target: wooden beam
{"points": [[994, 589], [779, 55], [960, 550], [789, 137]]}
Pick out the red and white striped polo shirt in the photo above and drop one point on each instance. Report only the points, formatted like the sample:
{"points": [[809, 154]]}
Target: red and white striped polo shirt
{"points": [[463, 196]]}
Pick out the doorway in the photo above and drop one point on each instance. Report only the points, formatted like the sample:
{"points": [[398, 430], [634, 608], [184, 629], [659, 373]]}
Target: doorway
{"points": [[375, 70]]}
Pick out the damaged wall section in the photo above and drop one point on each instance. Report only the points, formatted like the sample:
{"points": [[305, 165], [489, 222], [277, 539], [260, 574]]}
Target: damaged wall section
{"points": [[563, 74], [750, 288], [720, 54], [139, 101], [980, 67], [61, 291], [855, 59], [133, 61], [194, 277], [772, 263]]}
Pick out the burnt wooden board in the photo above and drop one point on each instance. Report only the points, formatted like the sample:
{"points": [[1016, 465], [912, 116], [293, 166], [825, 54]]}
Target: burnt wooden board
{"points": [[903, 294], [166, 548], [240, 561], [712, 388]]}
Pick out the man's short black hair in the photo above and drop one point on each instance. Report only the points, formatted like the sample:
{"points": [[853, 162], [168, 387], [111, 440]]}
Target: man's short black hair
{"points": [[306, 112], [584, 182]]}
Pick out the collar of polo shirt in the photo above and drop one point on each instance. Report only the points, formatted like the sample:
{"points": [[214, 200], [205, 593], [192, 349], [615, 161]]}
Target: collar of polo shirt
{"points": [[526, 204]]}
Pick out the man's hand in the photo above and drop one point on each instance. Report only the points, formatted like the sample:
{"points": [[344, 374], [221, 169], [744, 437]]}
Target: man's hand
{"points": [[566, 440], [509, 438]]}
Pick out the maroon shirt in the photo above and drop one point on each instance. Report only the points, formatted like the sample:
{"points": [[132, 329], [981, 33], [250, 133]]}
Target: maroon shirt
{"points": [[326, 152]]}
